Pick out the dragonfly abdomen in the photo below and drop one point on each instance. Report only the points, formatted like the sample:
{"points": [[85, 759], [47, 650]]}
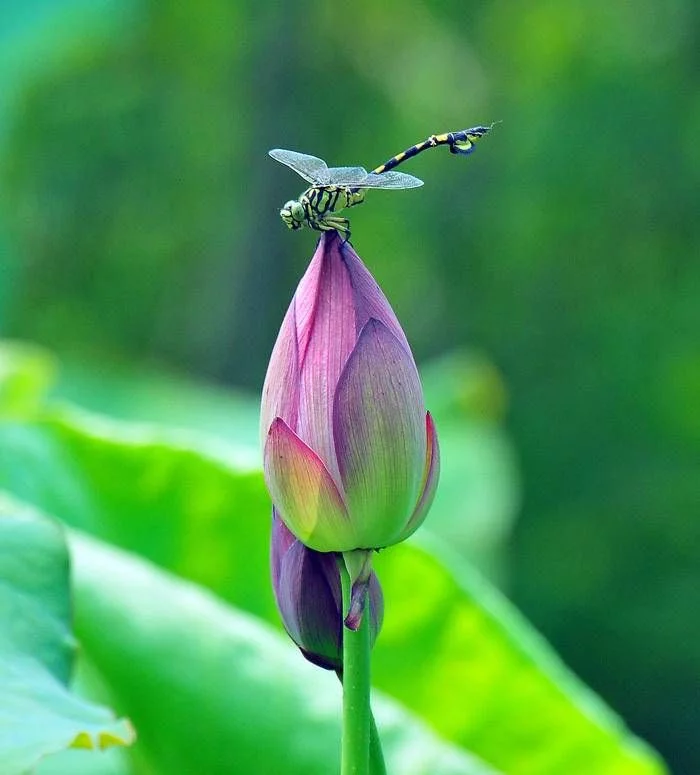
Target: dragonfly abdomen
{"points": [[414, 150], [459, 142]]}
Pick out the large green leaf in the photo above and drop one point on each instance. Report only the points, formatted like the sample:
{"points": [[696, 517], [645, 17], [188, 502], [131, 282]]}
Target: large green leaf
{"points": [[185, 508], [38, 714], [114, 761], [492, 684], [173, 400], [213, 690], [452, 649]]}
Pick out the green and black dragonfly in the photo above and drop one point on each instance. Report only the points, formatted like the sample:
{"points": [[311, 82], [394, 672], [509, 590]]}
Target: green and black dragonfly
{"points": [[336, 188]]}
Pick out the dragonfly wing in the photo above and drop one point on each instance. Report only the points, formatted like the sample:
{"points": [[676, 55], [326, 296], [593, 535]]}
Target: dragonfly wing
{"points": [[390, 180], [346, 176], [310, 168]]}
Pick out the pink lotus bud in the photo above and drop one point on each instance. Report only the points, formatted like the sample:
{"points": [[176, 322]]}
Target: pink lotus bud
{"points": [[307, 590], [350, 454]]}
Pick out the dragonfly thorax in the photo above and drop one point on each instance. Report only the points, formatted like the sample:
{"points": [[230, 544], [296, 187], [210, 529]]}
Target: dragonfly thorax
{"points": [[316, 206]]}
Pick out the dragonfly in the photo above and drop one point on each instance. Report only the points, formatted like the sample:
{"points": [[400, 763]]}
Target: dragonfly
{"points": [[334, 189]]}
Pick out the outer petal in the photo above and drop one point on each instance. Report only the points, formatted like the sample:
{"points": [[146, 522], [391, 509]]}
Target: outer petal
{"points": [[304, 493], [370, 301], [326, 335], [380, 435], [430, 480], [280, 395]]}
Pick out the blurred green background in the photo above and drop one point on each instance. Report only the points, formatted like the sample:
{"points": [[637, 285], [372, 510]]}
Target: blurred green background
{"points": [[549, 283]]}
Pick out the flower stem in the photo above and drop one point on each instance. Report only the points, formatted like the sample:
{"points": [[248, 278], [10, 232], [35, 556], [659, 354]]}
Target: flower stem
{"points": [[356, 707], [377, 766]]}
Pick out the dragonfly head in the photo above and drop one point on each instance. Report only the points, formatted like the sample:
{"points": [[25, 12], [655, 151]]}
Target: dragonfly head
{"points": [[293, 214]]}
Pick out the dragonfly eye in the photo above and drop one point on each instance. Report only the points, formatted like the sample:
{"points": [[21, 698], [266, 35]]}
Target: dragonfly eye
{"points": [[296, 210]]}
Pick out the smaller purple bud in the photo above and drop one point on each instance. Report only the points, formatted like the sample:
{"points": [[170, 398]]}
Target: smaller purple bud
{"points": [[307, 590]]}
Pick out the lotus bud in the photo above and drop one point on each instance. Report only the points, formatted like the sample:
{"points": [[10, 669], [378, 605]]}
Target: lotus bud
{"points": [[307, 590], [350, 455]]}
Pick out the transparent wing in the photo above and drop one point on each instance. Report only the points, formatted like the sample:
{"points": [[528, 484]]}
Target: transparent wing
{"points": [[346, 176], [390, 180], [310, 168]]}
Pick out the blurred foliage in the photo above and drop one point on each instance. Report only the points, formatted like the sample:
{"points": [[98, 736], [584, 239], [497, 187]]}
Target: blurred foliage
{"points": [[157, 647], [139, 222], [479, 493], [26, 373]]}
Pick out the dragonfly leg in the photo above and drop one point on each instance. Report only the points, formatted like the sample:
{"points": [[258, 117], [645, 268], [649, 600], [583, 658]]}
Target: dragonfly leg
{"points": [[334, 223]]}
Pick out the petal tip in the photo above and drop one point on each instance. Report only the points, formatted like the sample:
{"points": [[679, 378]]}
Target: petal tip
{"points": [[358, 597]]}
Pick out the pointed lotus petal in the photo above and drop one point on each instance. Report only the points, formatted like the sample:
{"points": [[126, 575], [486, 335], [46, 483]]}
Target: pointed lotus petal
{"points": [[380, 435], [430, 480], [304, 300], [280, 396], [303, 491], [326, 335], [370, 301]]}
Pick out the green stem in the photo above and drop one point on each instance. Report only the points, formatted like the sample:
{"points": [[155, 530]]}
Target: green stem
{"points": [[377, 766], [356, 708]]}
